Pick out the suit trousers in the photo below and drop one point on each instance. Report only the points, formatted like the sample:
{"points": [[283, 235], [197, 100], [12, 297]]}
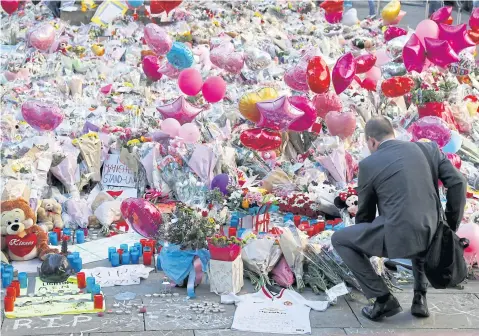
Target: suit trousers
{"points": [[357, 243]]}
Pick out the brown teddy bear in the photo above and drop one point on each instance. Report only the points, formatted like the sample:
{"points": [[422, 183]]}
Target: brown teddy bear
{"points": [[50, 214], [23, 239]]}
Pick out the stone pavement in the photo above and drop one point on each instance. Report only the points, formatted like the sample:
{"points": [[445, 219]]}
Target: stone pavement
{"points": [[453, 312]]}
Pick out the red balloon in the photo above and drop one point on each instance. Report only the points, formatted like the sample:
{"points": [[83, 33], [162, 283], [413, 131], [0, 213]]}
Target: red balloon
{"points": [[10, 6], [309, 116], [455, 160], [441, 15], [157, 6], [414, 54], [364, 63], [393, 32], [343, 72], [440, 52], [397, 86], [341, 124], [369, 84], [332, 6], [333, 18], [456, 36], [317, 75], [474, 35], [474, 19], [261, 139]]}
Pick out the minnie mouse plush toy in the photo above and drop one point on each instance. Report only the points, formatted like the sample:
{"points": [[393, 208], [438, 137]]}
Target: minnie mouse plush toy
{"points": [[348, 200]]}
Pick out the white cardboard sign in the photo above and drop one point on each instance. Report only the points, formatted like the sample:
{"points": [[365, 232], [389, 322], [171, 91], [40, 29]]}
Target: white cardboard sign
{"points": [[117, 174]]}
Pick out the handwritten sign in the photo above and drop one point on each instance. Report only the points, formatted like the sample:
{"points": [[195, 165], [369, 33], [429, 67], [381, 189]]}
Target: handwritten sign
{"points": [[117, 174]]}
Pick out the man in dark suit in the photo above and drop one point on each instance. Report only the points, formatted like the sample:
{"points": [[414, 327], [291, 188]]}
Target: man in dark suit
{"points": [[396, 178]]}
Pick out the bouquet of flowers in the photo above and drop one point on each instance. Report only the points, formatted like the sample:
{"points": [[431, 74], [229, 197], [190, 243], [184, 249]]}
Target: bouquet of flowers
{"points": [[224, 248], [293, 243]]}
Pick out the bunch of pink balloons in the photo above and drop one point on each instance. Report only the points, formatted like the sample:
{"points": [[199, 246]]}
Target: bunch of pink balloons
{"points": [[191, 83]]}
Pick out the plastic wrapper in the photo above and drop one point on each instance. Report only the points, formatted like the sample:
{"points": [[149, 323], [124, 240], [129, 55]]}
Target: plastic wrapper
{"points": [[335, 163], [462, 118], [76, 213], [431, 128], [108, 212], [282, 274], [259, 257], [65, 171], [292, 243], [90, 150]]}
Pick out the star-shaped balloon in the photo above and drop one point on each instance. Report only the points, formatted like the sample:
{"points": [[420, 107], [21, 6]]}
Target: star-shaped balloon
{"points": [[414, 54], [456, 36], [277, 114], [440, 52], [180, 110]]}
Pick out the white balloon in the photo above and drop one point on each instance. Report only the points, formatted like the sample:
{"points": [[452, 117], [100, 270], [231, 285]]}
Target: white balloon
{"points": [[350, 18]]}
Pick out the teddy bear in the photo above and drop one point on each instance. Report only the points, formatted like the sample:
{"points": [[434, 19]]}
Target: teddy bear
{"points": [[50, 214], [348, 200], [23, 239]]}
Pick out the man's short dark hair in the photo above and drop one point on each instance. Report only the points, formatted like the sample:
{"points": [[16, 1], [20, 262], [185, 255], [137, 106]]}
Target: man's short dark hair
{"points": [[378, 128]]}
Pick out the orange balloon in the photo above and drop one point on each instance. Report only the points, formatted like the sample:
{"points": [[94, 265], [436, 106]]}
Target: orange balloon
{"points": [[247, 103]]}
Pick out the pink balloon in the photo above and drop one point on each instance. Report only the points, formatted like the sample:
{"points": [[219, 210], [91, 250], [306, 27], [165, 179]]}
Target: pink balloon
{"points": [[157, 39], [341, 124], [440, 52], [151, 68], [189, 133], [393, 32], [343, 72], [414, 54], [474, 19], [309, 117], [442, 14], [170, 126], [382, 57], [471, 232], [277, 114], [457, 36], [327, 102], [180, 109], [226, 58], [42, 116], [142, 216], [214, 89], [42, 36], [190, 82], [431, 128], [167, 69], [296, 76], [335, 17], [427, 28], [374, 74], [364, 63], [397, 20]]}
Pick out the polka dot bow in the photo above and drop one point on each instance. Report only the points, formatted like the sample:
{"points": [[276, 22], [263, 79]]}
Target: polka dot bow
{"points": [[344, 195]]}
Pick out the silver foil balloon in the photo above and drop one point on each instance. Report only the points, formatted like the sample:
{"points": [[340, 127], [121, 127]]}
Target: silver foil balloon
{"points": [[257, 59], [395, 46], [465, 65], [393, 69]]}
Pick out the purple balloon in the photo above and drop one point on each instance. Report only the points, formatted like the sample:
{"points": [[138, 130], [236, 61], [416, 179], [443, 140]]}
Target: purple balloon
{"points": [[221, 182], [142, 216], [42, 116]]}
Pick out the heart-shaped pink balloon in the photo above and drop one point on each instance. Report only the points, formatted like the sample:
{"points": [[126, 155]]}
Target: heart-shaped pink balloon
{"points": [[151, 68], [42, 36], [341, 124], [167, 69], [142, 216], [42, 116], [157, 39], [295, 77], [226, 58]]}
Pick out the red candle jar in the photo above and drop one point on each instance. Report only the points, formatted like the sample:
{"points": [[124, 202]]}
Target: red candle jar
{"points": [[16, 284], [297, 220], [232, 232], [310, 231], [319, 227], [58, 231], [303, 226], [9, 303], [147, 255], [81, 280], [98, 301], [11, 291]]}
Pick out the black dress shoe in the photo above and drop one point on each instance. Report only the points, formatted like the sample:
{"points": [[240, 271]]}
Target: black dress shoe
{"points": [[380, 310], [419, 305]]}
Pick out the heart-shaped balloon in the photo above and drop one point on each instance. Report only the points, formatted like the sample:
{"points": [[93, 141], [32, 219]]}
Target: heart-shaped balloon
{"points": [[10, 6], [341, 124], [257, 59], [151, 68], [226, 58], [142, 216], [441, 15], [157, 39], [333, 17], [397, 86], [295, 77], [364, 63], [369, 84], [343, 72], [332, 6], [393, 32], [261, 139], [42, 116], [247, 104], [327, 102], [42, 36], [317, 75], [160, 6]]}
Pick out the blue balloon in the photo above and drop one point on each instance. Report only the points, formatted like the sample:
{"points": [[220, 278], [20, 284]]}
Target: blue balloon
{"points": [[180, 56], [454, 144], [135, 3]]}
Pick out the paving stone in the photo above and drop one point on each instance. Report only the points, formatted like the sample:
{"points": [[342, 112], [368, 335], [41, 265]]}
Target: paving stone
{"points": [[447, 311], [227, 332], [337, 316], [174, 315], [150, 333], [77, 324], [413, 332]]}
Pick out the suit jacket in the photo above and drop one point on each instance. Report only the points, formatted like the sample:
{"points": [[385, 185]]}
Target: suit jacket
{"points": [[397, 180]]}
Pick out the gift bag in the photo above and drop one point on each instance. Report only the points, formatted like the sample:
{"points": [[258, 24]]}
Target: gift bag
{"points": [[226, 276]]}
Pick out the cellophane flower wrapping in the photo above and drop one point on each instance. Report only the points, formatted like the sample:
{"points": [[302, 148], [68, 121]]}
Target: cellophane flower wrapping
{"points": [[65, 171], [293, 242], [282, 274], [259, 258]]}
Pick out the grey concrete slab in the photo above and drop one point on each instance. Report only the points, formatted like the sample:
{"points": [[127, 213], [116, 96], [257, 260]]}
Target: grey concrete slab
{"points": [[447, 311], [227, 332], [471, 287], [338, 316], [173, 314], [413, 332], [78, 324], [150, 333]]}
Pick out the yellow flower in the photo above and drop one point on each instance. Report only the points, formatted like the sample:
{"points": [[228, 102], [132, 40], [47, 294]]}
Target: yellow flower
{"points": [[75, 142], [216, 23], [211, 220], [128, 84], [16, 167], [133, 142], [245, 204]]}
